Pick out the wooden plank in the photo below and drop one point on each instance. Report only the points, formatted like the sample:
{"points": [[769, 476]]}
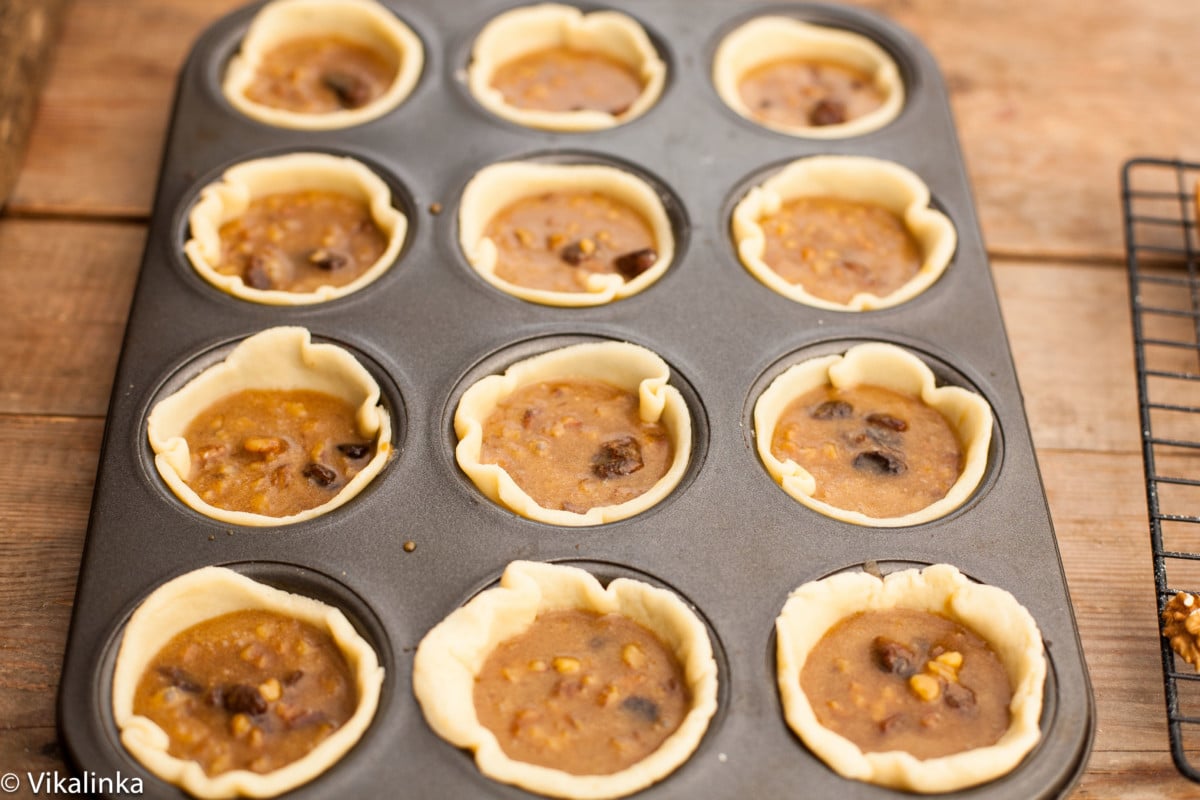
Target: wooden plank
{"points": [[67, 288], [1045, 126], [28, 29], [43, 518]]}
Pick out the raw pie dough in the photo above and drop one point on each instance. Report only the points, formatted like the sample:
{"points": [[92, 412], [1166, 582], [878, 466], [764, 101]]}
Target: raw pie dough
{"points": [[362, 21], [626, 366], [226, 199], [452, 654], [211, 592], [527, 30], [991, 612], [855, 178], [498, 186], [768, 39], [876, 364], [277, 358]]}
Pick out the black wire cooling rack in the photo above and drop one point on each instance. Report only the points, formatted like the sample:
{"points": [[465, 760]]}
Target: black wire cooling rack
{"points": [[1163, 253]]}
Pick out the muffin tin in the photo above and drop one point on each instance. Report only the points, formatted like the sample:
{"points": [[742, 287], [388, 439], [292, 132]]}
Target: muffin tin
{"points": [[727, 539]]}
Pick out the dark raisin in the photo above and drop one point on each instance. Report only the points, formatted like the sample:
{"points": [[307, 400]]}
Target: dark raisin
{"points": [[527, 418], [887, 421], [597, 642], [827, 112], [633, 264], [568, 688], [293, 677], [351, 91], [617, 457], [243, 699], [573, 254], [320, 474], [880, 462], [180, 679], [644, 707], [958, 696], [833, 409], [893, 724], [894, 657], [328, 260], [354, 450], [264, 271]]}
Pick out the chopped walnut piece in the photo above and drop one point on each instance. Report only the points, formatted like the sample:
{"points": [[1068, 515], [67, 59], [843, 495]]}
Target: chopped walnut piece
{"points": [[1181, 626]]}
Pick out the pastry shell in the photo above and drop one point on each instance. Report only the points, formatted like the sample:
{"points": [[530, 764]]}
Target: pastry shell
{"points": [[452, 654], [888, 366], [228, 198], [277, 358], [766, 39], [530, 29], [211, 592], [362, 21], [989, 611], [496, 187], [858, 179], [626, 366]]}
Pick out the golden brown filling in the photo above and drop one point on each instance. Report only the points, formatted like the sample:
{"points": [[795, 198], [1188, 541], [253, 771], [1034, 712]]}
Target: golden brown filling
{"points": [[802, 93], [576, 444], [299, 241], [870, 449], [909, 680], [581, 692], [554, 241], [275, 452], [560, 79], [250, 690], [838, 248], [321, 74]]}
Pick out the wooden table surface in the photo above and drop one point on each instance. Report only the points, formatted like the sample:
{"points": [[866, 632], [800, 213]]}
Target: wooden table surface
{"points": [[1051, 97]]}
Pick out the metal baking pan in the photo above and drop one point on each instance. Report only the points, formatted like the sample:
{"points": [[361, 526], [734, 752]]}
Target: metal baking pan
{"points": [[727, 539]]}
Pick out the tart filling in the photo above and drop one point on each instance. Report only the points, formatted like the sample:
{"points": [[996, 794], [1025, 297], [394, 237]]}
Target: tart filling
{"points": [[583, 435], [642, 653], [281, 431], [294, 230], [807, 80], [841, 416], [933, 691], [553, 67], [200, 656], [323, 64], [564, 235], [847, 233]]}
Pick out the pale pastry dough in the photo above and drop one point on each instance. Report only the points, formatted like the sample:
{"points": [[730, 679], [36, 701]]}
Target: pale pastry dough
{"points": [[498, 186], [530, 29], [277, 358], [626, 366], [876, 364], [211, 592], [858, 179], [453, 653], [991, 612], [361, 21], [227, 199], [767, 39]]}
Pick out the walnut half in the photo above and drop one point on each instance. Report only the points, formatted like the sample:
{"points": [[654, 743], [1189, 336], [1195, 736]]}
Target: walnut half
{"points": [[1181, 626]]}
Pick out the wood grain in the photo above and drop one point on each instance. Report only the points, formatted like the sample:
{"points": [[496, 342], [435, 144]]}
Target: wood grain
{"points": [[28, 29]]}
